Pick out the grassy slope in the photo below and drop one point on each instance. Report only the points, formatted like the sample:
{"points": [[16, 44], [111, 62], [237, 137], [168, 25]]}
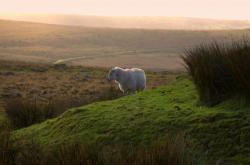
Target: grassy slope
{"points": [[223, 131]]}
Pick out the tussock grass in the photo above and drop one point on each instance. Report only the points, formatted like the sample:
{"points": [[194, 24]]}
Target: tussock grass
{"points": [[172, 151], [220, 70], [6, 150], [24, 112]]}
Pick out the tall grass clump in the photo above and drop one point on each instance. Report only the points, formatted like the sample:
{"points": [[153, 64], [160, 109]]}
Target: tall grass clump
{"points": [[172, 151], [220, 70], [25, 112]]}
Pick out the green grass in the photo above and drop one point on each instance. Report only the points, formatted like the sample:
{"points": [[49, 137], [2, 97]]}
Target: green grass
{"points": [[223, 131]]}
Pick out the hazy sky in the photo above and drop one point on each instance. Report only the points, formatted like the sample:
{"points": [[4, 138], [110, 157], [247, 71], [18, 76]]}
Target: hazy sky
{"points": [[221, 9]]}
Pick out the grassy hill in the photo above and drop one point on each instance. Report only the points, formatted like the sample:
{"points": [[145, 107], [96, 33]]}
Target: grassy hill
{"points": [[105, 47], [222, 131]]}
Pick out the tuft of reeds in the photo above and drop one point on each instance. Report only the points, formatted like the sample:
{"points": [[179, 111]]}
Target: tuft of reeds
{"points": [[220, 70], [24, 112]]}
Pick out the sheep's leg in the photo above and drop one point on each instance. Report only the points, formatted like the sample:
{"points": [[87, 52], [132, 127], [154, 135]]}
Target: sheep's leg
{"points": [[126, 92], [131, 91], [141, 88]]}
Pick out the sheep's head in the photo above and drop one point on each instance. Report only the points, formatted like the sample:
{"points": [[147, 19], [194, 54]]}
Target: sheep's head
{"points": [[114, 74]]}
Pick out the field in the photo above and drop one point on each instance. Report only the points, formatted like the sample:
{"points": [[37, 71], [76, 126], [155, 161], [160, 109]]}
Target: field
{"points": [[64, 86], [56, 106], [74, 85], [103, 47], [217, 134]]}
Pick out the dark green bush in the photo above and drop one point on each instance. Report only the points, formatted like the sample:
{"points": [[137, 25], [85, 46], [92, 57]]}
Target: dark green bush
{"points": [[220, 70]]}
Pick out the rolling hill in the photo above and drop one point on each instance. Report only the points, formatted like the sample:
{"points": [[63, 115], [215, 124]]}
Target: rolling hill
{"points": [[103, 47], [222, 131]]}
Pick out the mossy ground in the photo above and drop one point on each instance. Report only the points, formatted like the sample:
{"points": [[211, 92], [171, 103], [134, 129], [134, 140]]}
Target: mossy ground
{"points": [[223, 131]]}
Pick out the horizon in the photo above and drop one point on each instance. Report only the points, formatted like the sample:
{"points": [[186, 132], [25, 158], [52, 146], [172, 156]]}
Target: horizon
{"points": [[7, 15], [222, 10]]}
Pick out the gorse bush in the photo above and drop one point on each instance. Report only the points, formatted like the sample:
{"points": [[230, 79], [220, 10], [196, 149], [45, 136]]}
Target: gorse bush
{"points": [[220, 70]]}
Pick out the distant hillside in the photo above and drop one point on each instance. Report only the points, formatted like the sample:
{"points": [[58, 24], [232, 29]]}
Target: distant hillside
{"points": [[133, 22], [103, 47]]}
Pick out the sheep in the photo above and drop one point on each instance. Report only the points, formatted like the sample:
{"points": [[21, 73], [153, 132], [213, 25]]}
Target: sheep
{"points": [[129, 80]]}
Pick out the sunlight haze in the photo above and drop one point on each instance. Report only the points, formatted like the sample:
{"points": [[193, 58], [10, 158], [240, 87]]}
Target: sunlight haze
{"points": [[223, 9]]}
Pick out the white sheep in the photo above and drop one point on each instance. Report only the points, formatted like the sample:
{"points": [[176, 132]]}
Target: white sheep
{"points": [[129, 80]]}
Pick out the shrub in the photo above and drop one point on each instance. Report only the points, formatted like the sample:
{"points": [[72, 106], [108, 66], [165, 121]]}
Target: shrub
{"points": [[220, 70]]}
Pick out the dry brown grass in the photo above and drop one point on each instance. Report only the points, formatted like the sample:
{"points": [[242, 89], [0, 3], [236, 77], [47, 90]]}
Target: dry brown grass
{"points": [[43, 81], [35, 92], [150, 49]]}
